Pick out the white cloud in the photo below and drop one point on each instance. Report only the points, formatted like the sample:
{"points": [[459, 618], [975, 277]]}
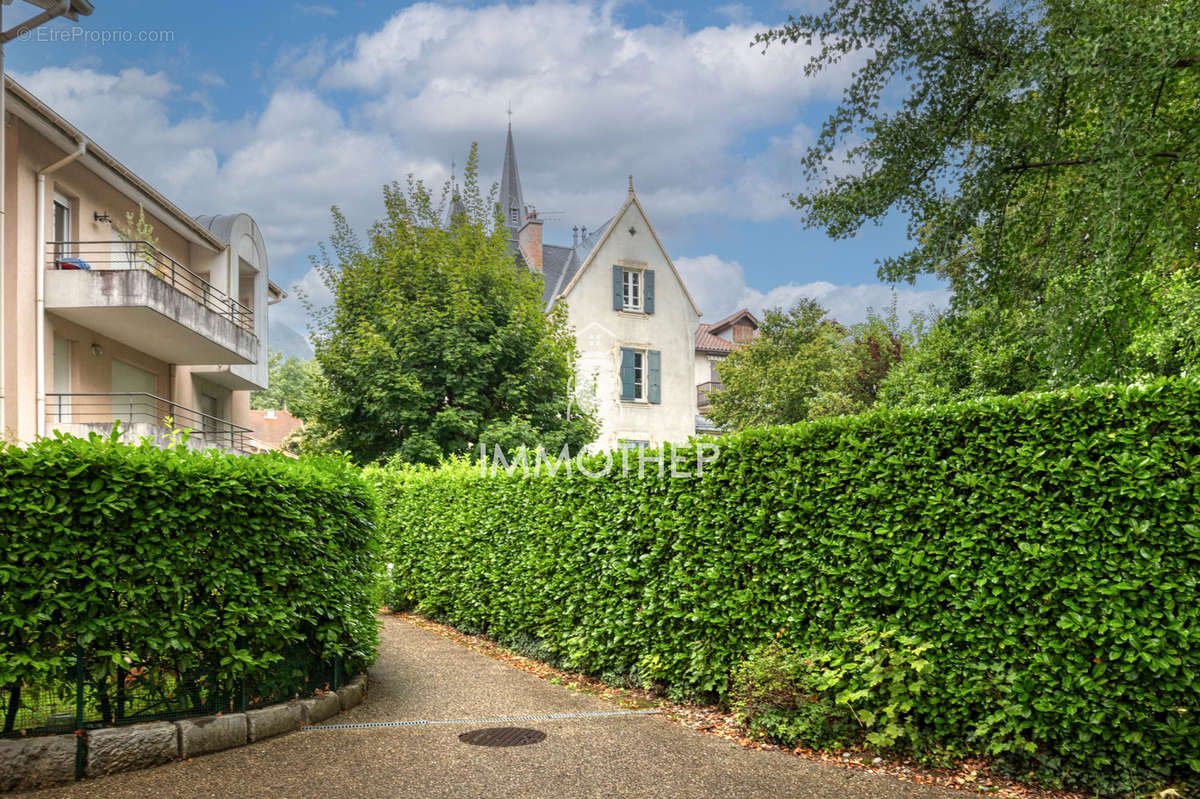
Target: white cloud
{"points": [[594, 100], [719, 288], [705, 122]]}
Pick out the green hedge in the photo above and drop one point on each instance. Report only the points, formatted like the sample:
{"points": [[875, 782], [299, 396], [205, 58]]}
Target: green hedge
{"points": [[181, 561], [1046, 547]]}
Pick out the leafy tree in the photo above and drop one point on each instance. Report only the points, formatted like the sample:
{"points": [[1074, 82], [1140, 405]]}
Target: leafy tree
{"points": [[295, 384], [804, 366], [776, 378], [436, 340], [1045, 154]]}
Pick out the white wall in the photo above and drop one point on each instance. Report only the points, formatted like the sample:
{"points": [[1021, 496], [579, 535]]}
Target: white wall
{"points": [[601, 332]]}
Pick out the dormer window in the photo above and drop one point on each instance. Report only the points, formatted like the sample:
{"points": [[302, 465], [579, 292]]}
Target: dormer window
{"points": [[514, 215]]}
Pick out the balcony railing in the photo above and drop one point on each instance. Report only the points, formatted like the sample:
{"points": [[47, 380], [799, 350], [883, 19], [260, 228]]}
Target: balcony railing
{"points": [[704, 390], [137, 408], [123, 255]]}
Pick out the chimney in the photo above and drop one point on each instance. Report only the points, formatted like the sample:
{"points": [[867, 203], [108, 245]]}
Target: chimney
{"points": [[529, 239]]}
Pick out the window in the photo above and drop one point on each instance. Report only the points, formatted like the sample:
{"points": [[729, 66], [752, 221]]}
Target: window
{"points": [[62, 226], [633, 290], [634, 443], [514, 216], [631, 297], [640, 375]]}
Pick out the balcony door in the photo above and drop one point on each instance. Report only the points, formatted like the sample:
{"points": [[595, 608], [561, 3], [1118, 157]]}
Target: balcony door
{"points": [[134, 392], [60, 403], [62, 226]]}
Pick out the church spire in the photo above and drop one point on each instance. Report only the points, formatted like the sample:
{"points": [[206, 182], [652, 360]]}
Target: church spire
{"points": [[512, 203]]}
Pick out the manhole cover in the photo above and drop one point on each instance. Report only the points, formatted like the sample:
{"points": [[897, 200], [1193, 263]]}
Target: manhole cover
{"points": [[503, 736]]}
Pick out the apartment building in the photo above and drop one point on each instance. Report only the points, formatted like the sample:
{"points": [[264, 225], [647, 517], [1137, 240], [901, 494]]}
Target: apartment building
{"points": [[117, 305]]}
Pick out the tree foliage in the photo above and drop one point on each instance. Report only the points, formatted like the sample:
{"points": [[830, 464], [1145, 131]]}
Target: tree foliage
{"points": [[436, 340], [805, 366], [1045, 155], [294, 384]]}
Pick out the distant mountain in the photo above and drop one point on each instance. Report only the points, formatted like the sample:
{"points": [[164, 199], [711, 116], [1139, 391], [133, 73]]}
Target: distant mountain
{"points": [[289, 341]]}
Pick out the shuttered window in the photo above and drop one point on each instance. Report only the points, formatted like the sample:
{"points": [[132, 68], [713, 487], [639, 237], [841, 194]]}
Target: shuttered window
{"points": [[633, 290], [641, 375]]}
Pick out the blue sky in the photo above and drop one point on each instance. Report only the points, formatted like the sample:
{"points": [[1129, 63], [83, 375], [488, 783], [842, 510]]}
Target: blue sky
{"points": [[282, 109]]}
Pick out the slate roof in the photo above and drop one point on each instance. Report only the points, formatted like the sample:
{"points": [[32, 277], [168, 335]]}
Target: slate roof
{"points": [[560, 264]]}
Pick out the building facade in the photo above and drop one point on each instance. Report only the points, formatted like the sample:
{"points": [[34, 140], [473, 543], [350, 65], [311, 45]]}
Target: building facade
{"points": [[115, 305], [714, 343], [634, 321]]}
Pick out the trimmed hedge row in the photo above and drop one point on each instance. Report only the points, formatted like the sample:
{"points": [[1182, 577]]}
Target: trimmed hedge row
{"points": [[1046, 547], [181, 561]]}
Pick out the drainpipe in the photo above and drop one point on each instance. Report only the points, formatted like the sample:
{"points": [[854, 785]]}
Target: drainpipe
{"points": [[40, 311]]}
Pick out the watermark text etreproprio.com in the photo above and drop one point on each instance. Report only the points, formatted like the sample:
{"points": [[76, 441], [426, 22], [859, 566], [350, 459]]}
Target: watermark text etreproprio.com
{"points": [[80, 35]]}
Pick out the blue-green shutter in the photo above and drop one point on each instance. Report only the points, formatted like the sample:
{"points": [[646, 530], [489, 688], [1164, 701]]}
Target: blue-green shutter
{"points": [[648, 291], [618, 288], [654, 376], [626, 374]]}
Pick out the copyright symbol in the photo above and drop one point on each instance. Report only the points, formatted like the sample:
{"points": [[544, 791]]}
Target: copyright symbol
{"points": [[25, 36]]}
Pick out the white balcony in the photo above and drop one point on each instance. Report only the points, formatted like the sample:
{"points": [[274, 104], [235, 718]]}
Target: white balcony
{"points": [[132, 292], [144, 416]]}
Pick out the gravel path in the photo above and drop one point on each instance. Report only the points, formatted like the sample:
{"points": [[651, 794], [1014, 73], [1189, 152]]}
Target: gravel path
{"points": [[421, 676]]}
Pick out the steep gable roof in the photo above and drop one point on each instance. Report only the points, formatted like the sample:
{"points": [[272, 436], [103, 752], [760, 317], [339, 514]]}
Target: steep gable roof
{"points": [[631, 200]]}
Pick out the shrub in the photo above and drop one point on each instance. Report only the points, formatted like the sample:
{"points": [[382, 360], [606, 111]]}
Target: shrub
{"points": [[864, 688], [180, 561], [1044, 547], [779, 694]]}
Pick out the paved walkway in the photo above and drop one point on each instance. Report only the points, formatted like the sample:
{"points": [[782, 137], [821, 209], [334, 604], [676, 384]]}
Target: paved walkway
{"points": [[420, 676]]}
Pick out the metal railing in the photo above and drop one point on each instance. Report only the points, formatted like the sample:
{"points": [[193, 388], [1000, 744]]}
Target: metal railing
{"points": [[704, 390], [124, 255], [138, 408], [90, 690]]}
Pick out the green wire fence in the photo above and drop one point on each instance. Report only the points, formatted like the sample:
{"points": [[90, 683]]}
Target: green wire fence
{"points": [[92, 690]]}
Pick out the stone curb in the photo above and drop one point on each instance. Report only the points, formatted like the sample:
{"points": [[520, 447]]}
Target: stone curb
{"points": [[319, 708], [211, 734], [36, 762], [273, 720], [352, 693], [115, 749], [48, 760]]}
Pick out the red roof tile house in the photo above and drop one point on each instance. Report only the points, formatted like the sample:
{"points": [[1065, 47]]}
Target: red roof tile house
{"points": [[713, 344]]}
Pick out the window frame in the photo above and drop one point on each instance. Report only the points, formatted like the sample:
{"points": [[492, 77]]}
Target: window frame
{"points": [[632, 290], [61, 201], [639, 376]]}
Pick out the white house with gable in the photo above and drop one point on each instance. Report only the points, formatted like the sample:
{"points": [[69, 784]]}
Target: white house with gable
{"points": [[635, 322]]}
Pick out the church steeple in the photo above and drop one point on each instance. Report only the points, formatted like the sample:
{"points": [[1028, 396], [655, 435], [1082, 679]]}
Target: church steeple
{"points": [[512, 203]]}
